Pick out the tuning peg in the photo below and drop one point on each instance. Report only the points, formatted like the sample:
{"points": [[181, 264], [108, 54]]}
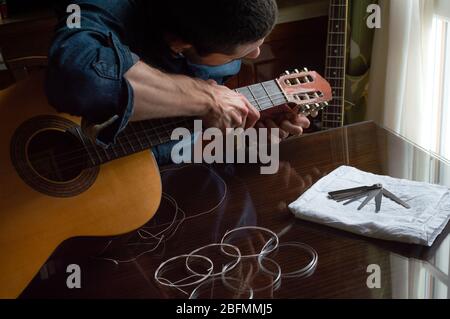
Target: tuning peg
{"points": [[287, 72], [296, 71], [305, 69], [314, 113], [323, 105]]}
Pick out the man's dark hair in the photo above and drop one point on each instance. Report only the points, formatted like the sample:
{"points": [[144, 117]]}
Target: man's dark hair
{"points": [[217, 26]]}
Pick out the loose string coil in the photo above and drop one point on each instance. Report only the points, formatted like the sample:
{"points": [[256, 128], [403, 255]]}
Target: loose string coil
{"points": [[302, 272], [271, 246], [155, 240], [148, 237], [212, 282], [165, 282], [225, 268], [265, 250]]}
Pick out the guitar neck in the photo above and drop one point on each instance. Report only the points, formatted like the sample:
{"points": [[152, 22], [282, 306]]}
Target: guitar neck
{"points": [[143, 135], [333, 116]]}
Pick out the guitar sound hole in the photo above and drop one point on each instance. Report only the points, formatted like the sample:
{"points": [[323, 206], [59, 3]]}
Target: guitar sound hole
{"points": [[56, 155]]}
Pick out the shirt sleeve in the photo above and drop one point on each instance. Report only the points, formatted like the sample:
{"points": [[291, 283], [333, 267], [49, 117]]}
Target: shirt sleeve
{"points": [[87, 66]]}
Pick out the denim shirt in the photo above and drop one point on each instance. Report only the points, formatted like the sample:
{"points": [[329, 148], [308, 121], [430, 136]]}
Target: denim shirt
{"points": [[87, 65]]}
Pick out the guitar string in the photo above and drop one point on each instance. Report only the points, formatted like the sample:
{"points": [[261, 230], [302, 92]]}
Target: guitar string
{"points": [[67, 168], [341, 64], [157, 127], [304, 272], [159, 240], [131, 138], [162, 236]]}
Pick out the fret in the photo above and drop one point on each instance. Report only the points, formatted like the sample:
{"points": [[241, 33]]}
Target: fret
{"points": [[150, 133], [131, 125], [265, 101], [165, 127], [335, 50], [245, 92], [274, 92], [255, 98], [157, 135], [328, 121], [144, 132], [336, 74], [105, 151], [126, 137], [113, 148], [99, 156], [122, 146], [336, 36], [268, 94], [332, 114], [83, 140]]}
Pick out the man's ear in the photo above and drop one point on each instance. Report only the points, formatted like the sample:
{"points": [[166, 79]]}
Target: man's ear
{"points": [[176, 44]]}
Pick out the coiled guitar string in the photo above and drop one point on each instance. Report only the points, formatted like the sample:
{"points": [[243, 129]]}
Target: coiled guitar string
{"points": [[271, 246], [146, 237]]}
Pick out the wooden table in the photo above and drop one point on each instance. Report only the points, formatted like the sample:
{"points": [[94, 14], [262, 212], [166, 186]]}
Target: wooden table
{"points": [[407, 271]]}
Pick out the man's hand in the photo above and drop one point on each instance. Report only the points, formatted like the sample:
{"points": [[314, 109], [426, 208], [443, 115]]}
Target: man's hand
{"points": [[289, 124], [229, 109]]}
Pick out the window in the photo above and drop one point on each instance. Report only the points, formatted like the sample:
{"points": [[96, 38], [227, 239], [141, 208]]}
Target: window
{"points": [[441, 77]]}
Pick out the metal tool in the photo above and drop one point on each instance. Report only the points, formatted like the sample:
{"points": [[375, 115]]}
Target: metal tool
{"points": [[376, 191]]}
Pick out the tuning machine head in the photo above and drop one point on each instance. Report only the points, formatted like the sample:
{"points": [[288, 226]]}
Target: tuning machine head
{"points": [[305, 89]]}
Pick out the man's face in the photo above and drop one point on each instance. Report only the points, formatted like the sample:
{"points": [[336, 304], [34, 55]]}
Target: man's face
{"points": [[245, 51]]}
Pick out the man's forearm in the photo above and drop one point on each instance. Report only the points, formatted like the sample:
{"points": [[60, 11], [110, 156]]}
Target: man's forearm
{"points": [[160, 95]]}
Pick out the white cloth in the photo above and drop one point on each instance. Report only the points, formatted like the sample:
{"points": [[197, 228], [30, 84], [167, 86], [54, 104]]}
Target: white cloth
{"points": [[421, 224]]}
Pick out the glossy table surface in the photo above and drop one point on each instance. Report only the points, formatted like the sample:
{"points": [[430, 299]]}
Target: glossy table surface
{"points": [[214, 199]]}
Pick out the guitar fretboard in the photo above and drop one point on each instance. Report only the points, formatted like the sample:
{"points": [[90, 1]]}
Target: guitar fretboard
{"points": [[264, 95], [143, 135], [333, 115]]}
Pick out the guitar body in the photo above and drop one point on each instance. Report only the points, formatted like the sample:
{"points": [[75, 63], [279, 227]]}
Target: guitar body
{"points": [[37, 213]]}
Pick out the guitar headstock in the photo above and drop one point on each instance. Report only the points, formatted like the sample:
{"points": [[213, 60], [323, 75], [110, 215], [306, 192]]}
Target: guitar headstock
{"points": [[306, 90]]}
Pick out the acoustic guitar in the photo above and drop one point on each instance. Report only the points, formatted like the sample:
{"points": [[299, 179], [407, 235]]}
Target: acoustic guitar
{"points": [[56, 184]]}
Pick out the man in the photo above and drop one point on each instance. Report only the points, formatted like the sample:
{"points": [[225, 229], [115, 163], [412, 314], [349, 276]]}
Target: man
{"points": [[134, 60]]}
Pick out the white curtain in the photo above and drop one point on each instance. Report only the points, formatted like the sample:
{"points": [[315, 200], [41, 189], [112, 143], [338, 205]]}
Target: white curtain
{"points": [[400, 90], [403, 97]]}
